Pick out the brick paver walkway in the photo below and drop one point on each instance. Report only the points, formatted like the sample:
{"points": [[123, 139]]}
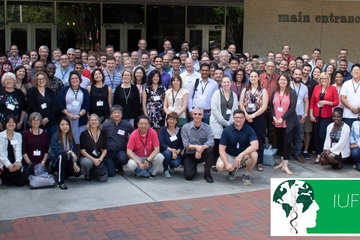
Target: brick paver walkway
{"points": [[236, 216]]}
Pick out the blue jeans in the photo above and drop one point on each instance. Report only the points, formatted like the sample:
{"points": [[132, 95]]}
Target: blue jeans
{"points": [[298, 140], [349, 121], [355, 154], [319, 129], [174, 163], [115, 160]]}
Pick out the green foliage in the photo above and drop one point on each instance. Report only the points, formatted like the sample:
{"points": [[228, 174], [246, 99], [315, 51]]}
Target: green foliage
{"points": [[235, 25]]}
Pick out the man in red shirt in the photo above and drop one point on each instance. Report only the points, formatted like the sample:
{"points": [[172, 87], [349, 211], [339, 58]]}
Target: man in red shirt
{"points": [[143, 150], [286, 53], [91, 58]]}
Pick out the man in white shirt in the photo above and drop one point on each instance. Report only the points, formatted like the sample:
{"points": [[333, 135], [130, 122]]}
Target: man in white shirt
{"points": [[190, 74]]}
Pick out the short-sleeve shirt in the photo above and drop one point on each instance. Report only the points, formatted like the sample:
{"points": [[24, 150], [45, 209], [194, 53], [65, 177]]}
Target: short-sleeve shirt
{"points": [[236, 141], [143, 146], [301, 93], [117, 135], [352, 92]]}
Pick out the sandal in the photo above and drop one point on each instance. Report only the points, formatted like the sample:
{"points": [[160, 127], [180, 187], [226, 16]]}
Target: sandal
{"points": [[260, 168], [317, 160]]}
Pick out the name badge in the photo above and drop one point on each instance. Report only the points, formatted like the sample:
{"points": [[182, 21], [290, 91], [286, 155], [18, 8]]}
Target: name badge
{"points": [[171, 108], [173, 138], [144, 152], [95, 152], [319, 105], [157, 98], [75, 103], [43, 106], [238, 145], [228, 111], [99, 103], [202, 97], [14, 142], [11, 106], [280, 109], [37, 153], [251, 105], [121, 132]]}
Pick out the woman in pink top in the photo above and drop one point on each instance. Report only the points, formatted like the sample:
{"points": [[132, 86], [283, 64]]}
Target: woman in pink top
{"points": [[282, 107]]}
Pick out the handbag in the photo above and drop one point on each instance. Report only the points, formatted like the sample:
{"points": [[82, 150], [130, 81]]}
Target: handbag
{"points": [[100, 172], [41, 179], [268, 158]]}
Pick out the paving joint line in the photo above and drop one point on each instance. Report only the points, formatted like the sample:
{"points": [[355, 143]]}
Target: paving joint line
{"points": [[140, 189]]}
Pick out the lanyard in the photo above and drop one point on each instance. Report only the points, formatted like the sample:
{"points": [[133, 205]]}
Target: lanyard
{"points": [[14, 63], [354, 86], [94, 139], [174, 98], [64, 73], [111, 80], [126, 97], [281, 98], [203, 88], [76, 92], [144, 144]]}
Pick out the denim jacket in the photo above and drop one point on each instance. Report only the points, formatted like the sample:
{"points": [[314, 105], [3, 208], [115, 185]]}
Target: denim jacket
{"points": [[56, 149]]}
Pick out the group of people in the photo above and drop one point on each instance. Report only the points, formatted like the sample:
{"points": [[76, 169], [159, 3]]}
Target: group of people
{"points": [[93, 113]]}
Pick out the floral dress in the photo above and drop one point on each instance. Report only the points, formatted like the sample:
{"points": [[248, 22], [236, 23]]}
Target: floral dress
{"points": [[155, 105]]}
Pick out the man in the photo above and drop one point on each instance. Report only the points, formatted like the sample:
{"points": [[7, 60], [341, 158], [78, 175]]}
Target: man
{"points": [[216, 55], [134, 58], [142, 48], [198, 141], [238, 144], [3, 57], [33, 56], [38, 66], [125, 54], [242, 60], [201, 91], [167, 68], [286, 53], [166, 46], [84, 55], [270, 55], [224, 61], [183, 56], [299, 62], [55, 83], [343, 53], [254, 61], [77, 55], [195, 56], [184, 48], [218, 76], [278, 58], [97, 49], [153, 54], [143, 150], [14, 56], [232, 49], [268, 81], [320, 63], [118, 132], [118, 62], [170, 52], [343, 68], [175, 64], [302, 108], [71, 54], [112, 78], [56, 56], [145, 63], [189, 75], [310, 84], [316, 54], [165, 77], [349, 95], [85, 82], [44, 54], [205, 59], [91, 59], [261, 65], [234, 65], [109, 50], [63, 71], [103, 61], [25, 58], [305, 58]]}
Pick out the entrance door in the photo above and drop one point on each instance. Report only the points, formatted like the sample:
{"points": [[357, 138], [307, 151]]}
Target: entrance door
{"points": [[122, 37], [29, 36], [205, 37]]}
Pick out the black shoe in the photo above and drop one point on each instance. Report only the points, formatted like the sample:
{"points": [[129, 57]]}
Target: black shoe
{"points": [[152, 176], [121, 171], [214, 169], [306, 156], [62, 186], [209, 179], [87, 177]]}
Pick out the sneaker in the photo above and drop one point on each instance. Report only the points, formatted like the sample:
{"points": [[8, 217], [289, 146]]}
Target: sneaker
{"points": [[62, 186], [172, 170], [232, 175], [166, 174], [306, 155], [246, 180], [153, 176]]}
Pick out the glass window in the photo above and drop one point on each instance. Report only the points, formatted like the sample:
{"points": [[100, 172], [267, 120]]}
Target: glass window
{"points": [[123, 13], [165, 22], [30, 12], [235, 26], [205, 15], [78, 25]]}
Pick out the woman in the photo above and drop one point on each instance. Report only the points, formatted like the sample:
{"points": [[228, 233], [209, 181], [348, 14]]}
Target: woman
{"points": [[204, 53], [213, 67], [223, 103], [140, 80], [6, 67], [323, 99], [127, 95], [43, 100], [253, 101], [35, 145], [127, 63], [337, 145], [171, 144], [292, 66], [153, 100], [10, 154], [28, 73], [339, 80], [331, 71], [100, 95], [238, 82], [316, 73], [248, 68], [63, 153], [12, 101], [93, 144], [282, 107], [22, 79], [74, 102], [333, 62], [176, 99]]}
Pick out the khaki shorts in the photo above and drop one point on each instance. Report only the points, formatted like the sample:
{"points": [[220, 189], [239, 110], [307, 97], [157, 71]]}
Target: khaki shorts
{"points": [[308, 124], [231, 160]]}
